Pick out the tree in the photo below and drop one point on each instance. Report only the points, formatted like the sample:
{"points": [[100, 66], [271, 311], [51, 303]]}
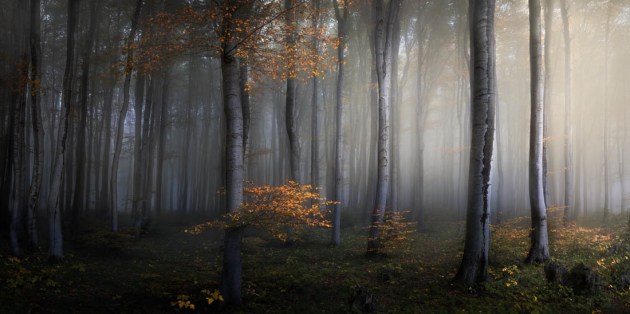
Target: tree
{"points": [[290, 113], [539, 251], [79, 203], [549, 6], [473, 268], [568, 132], [55, 250], [341, 14], [36, 120], [383, 48], [315, 104], [232, 266], [113, 182]]}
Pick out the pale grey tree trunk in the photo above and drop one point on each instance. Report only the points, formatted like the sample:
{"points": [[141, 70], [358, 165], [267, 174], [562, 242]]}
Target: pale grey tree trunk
{"points": [[113, 183], [420, 123], [395, 112], [55, 250], [539, 251], [473, 268], [606, 105], [342, 33], [383, 48], [568, 131], [549, 6]]}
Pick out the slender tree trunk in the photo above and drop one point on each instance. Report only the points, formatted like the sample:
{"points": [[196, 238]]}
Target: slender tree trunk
{"points": [[539, 251], [316, 107], [383, 43], [38, 128], [291, 125], [395, 111], [137, 155], [606, 105], [159, 180], [55, 250], [113, 183], [342, 30], [78, 203], [547, 95], [18, 55], [420, 119], [568, 131], [473, 268]]}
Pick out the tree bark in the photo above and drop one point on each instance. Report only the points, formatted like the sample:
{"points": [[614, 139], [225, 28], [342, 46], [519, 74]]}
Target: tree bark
{"points": [[232, 266], [568, 131], [383, 48], [473, 268], [342, 32], [290, 116], [78, 203], [55, 250], [539, 251], [547, 95], [316, 107], [38, 128], [113, 183]]}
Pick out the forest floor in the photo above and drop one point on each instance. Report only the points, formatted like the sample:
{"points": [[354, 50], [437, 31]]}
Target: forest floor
{"points": [[116, 273]]}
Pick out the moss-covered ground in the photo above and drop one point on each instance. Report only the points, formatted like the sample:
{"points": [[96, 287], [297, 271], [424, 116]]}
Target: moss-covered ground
{"points": [[117, 273]]}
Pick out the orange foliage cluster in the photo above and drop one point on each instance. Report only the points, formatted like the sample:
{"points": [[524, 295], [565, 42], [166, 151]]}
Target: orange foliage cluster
{"points": [[276, 209], [395, 231], [259, 28]]}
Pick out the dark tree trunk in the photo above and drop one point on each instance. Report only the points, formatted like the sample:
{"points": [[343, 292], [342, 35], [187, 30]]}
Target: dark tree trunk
{"points": [[113, 183], [231, 272], [38, 128], [55, 250], [78, 203], [473, 268], [342, 32]]}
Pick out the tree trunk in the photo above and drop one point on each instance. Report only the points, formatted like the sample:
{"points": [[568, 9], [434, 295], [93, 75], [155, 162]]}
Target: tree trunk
{"points": [[291, 123], [78, 203], [232, 266], [55, 250], [473, 268], [113, 183], [395, 111], [606, 101], [383, 48], [137, 155], [547, 95], [316, 107], [38, 128], [342, 32], [568, 131], [159, 180], [539, 251], [18, 55]]}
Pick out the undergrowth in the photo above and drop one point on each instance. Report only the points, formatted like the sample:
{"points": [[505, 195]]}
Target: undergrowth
{"points": [[168, 271]]}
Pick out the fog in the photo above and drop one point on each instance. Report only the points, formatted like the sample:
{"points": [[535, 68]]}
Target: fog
{"points": [[430, 116]]}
